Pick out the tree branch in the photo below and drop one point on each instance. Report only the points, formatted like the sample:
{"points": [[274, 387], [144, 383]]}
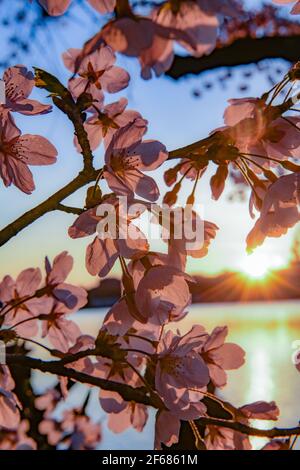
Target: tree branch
{"points": [[243, 51], [128, 393], [51, 204], [139, 395]]}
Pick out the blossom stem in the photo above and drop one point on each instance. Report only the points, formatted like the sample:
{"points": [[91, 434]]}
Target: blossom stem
{"points": [[247, 178]]}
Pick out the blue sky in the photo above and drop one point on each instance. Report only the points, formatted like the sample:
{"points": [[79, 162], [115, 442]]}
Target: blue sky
{"points": [[175, 117]]}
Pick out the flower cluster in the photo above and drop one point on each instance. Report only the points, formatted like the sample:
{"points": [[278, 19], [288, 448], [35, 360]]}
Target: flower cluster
{"points": [[18, 151]]}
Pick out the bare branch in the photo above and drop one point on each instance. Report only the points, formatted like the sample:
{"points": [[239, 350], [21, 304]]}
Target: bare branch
{"points": [[241, 52]]}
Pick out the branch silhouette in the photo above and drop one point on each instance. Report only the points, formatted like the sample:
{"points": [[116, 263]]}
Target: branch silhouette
{"points": [[140, 395], [243, 51]]}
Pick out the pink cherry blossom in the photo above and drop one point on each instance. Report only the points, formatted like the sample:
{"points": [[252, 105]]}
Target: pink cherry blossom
{"points": [[104, 122], [48, 401], [52, 430], [167, 428], [127, 156], [260, 410], [73, 297], [218, 438], [220, 356], [258, 133], [279, 212], [97, 72], [180, 368], [296, 7], [18, 151], [122, 414], [83, 343], [82, 432], [134, 415], [9, 412], [19, 83], [17, 439], [18, 296], [158, 57], [101, 254], [277, 444], [129, 35], [164, 293], [199, 27], [103, 6], [55, 7], [120, 319], [59, 331]]}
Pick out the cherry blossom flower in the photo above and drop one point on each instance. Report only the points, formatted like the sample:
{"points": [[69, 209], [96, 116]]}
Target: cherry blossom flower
{"points": [[59, 331], [256, 131], [48, 401], [296, 7], [52, 429], [17, 439], [127, 156], [55, 7], [83, 343], [82, 432], [122, 414], [97, 72], [179, 368], [218, 438], [188, 16], [68, 294], [103, 6], [119, 320], [279, 212], [277, 444], [163, 293], [19, 83], [167, 428], [134, 415], [220, 356], [142, 37], [20, 304], [132, 35], [104, 122], [102, 253], [18, 151], [9, 412]]}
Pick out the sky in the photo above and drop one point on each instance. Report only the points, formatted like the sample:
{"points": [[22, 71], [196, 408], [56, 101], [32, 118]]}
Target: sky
{"points": [[175, 117]]}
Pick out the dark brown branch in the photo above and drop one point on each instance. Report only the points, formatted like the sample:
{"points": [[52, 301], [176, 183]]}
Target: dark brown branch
{"points": [[127, 392], [241, 52], [68, 209], [49, 205], [139, 395]]}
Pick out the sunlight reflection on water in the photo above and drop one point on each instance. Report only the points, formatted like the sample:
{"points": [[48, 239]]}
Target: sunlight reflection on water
{"points": [[266, 331]]}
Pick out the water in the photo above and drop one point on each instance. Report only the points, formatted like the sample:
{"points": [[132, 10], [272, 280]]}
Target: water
{"points": [[266, 331]]}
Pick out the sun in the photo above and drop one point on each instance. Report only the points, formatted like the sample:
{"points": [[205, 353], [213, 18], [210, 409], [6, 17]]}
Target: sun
{"points": [[258, 265]]}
